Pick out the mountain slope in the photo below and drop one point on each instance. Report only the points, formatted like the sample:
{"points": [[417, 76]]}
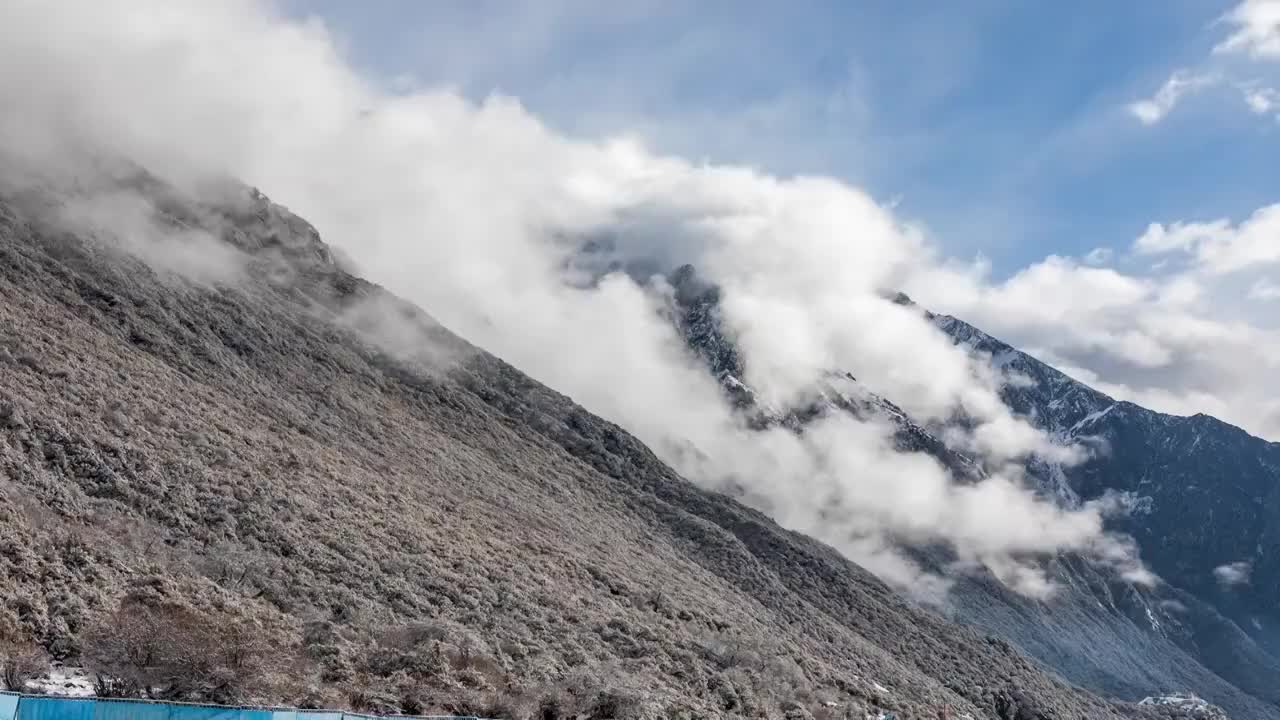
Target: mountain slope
{"points": [[297, 452], [1202, 495], [1197, 479], [1099, 630]]}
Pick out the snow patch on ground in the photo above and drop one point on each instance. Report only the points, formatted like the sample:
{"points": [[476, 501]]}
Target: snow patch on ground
{"points": [[1090, 419], [1155, 624], [63, 681], [1188, 705], [1129, 502]]}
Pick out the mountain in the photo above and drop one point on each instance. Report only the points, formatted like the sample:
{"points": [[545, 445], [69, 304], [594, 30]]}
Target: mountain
{"points": [[1204, 506], [212, 433], [1099, 630], [695, 312]]}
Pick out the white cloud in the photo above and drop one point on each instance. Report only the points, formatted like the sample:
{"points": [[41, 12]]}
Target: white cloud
{"points": [[1257, 30], [1100, 256], [1159, 238], [1236, 573], [1180, 84], [125, 220], [474, 210], [1218, 246], [1255, 35], [1265, 289], [1182, 340], [1261, 100]]}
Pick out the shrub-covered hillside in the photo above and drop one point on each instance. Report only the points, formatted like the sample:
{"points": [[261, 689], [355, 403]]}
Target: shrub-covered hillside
{"points": [[335, 501]]}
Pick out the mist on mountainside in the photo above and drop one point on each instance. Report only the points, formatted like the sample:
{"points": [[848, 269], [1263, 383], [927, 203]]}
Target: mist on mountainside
{"points": [[476, 212]]}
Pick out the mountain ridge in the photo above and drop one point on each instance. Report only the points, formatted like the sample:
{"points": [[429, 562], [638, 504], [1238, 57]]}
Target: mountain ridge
{"points": [[1158, 459], [159, 430], [1196, 645]]}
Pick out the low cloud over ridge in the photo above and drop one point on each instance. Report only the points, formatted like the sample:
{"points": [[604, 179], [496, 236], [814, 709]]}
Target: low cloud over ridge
{"points": [[473, 209]]}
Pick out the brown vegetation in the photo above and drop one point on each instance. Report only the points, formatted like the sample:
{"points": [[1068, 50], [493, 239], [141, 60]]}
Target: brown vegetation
{"points": [[170, 652], [20, 659], [220, 492]]}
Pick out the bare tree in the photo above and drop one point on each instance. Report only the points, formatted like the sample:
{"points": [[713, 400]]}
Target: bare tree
{"points": [[19, 662], [173, 652]]}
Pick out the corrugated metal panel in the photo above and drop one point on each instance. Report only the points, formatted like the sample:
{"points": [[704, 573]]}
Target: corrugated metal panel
{"points": [[127, 710], [14, 706], [8, 706], [214, 712], [50, 708]]}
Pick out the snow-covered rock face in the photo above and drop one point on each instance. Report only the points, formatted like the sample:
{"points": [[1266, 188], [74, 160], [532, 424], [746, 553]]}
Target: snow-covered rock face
{"points": [[1053, 401], [1178, 699], [1185, 705]]}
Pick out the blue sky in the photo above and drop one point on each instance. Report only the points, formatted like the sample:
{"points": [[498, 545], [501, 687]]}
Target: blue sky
{"points": [[1000, 125]]}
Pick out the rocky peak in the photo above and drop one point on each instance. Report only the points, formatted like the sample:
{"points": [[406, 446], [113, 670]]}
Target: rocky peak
{"points": [[258, 225], [696, 313]]}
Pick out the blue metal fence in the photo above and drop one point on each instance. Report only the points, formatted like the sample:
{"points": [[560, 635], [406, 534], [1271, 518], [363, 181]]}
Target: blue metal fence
{"points": [[15, 706]]}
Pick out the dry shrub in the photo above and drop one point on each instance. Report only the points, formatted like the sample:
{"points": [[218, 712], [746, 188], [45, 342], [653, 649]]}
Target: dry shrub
{"points": [[172, 652], [20, 658], [731, 649], [499, 705], [550, 708], [369, 696], [19, 662], [417, 649]]}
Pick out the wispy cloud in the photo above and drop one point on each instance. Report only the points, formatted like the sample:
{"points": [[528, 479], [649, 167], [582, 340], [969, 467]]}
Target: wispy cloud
{"points": [[1180, 84], [1100, 256], [1265, 289], [1236, 573], [1261, 100], [1255, 36]]}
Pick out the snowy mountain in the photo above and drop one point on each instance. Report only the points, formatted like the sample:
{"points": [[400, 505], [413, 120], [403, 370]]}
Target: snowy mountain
{"points": [[1205, 494], [1195, 493], [1202, 500], [695, 312]]}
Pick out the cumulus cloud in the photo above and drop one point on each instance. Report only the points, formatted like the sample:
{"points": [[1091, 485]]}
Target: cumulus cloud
{"points": [[1261, 100], [1232, 574], [1218, 246], [1037, 303], [1256, 31], [477, 212], [1179, 329], [1180, 84]]}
